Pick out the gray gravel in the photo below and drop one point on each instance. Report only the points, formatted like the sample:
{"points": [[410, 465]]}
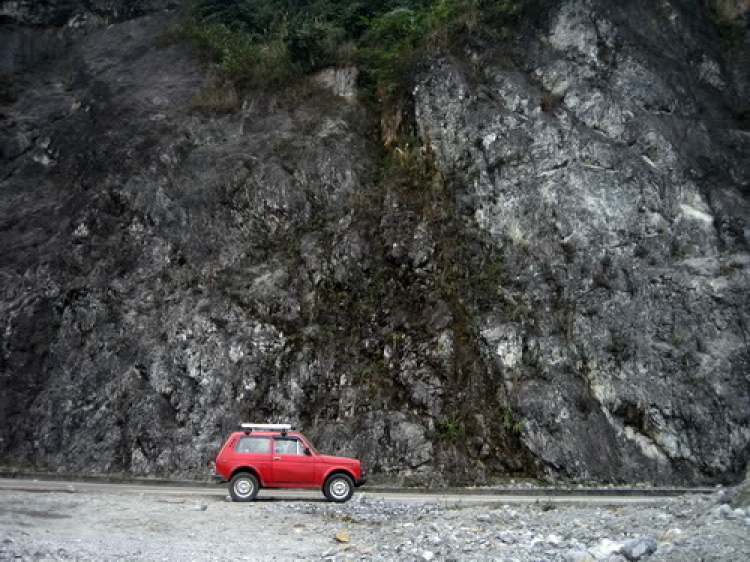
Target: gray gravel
{"points": [[80, 526]]}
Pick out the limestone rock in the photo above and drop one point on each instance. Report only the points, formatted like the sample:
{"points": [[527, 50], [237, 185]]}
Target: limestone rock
{"points": [[638, 548], [566, 297]]}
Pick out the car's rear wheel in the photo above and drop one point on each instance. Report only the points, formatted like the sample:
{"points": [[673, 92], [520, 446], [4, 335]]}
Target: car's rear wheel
{"points": [[339, 488], [243, 487]]}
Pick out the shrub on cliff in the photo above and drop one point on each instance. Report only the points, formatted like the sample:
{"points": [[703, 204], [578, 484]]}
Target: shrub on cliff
{"points": [[272, 41]]}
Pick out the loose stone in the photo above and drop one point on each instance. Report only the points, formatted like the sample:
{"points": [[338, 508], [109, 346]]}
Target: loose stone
{"points": [[638, 548]]}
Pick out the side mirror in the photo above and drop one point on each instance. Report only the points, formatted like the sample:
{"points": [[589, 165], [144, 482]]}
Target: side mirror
{"points": [[308, 452]]}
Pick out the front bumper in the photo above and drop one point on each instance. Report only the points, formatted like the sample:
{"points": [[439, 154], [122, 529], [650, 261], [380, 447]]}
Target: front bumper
{"points": [[218, 478], [360, 482]]}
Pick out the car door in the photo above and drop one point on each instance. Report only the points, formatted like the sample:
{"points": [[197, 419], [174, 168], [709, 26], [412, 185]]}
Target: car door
{"points": [[255, 451], [290, 466]]}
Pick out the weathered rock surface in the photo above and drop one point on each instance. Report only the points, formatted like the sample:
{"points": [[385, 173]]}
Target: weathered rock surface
{"points": [[74, 13], [741, 495], [566, 295], [614, 184]]}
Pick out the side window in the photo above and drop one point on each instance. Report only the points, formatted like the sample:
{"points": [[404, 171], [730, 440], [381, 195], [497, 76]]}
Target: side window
{"points": [[254, 445], [283, 446]]}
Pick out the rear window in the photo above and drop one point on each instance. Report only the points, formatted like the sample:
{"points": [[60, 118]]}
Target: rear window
{"points": [[253, 445]]}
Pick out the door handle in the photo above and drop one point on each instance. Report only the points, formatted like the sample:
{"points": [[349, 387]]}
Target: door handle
{"points": [[277, 458]]}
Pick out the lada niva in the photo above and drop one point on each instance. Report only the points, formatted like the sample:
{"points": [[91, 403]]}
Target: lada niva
{"points": [[273, 456]]}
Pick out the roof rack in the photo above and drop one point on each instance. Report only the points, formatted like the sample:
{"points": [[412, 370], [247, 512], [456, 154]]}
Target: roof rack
{"points": [[282, 427]]}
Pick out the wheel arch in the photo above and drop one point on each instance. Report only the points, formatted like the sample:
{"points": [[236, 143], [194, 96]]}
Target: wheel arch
{"points": [[335, 471], [249, 469]]}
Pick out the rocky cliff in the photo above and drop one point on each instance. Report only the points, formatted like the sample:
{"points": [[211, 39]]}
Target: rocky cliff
{"points": [[555, 283], [75, 13]]}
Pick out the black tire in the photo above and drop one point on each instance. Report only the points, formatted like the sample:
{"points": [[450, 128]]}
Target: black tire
{"points": [[339, 488], [243, 487]]}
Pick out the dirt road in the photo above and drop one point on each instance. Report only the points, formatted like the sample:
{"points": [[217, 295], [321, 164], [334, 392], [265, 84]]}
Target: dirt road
{"points": [[219, 491], [94, 521]]}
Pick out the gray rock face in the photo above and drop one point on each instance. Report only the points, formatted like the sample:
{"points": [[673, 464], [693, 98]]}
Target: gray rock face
{"points": [[22, 48], [77, 12], [740, 496], [615, 187], [32, 32], [562, 293]]}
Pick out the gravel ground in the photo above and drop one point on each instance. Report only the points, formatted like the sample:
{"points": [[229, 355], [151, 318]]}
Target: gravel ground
{"points": [[112, 526]]}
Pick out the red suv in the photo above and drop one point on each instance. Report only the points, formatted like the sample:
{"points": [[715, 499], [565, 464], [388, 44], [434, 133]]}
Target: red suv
{"points": [[272, 456]]}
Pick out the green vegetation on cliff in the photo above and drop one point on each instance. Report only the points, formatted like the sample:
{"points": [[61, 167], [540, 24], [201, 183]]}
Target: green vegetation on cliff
{"points": [[262, 42]]}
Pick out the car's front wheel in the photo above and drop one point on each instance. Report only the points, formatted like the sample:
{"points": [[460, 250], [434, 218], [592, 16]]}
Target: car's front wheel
{"points": [[243, 487], [339, 488]]}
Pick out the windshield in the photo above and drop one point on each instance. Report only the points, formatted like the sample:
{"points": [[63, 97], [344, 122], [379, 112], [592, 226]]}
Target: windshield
{"points": [[310, 445]]}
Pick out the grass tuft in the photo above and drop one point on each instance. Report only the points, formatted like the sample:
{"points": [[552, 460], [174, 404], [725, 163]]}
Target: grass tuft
{"points": [[217, 97]]}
